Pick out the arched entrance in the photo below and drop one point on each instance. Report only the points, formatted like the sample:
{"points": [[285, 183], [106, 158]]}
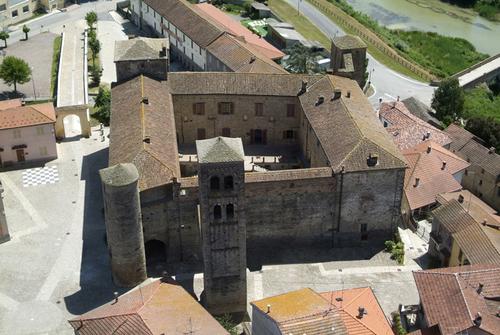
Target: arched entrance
{"points": [[156, 257], [80, 112], [72, 126]]}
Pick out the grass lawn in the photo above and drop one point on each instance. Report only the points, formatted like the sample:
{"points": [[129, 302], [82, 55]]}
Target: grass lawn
{"points": [[480, 102], [310, 31], [55, 64]]}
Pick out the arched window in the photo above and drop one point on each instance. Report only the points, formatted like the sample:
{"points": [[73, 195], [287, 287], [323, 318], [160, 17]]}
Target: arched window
{"points": [[230, 211], [228, 182], [217, 212], [214, 183]]}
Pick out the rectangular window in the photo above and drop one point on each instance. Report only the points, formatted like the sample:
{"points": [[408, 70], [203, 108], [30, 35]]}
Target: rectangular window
{"points": [[288, 135], [40, 130], [201, 135], [364, 232], [43, 151], [226, 132], [14, 13], [226, 108], [199, 108], [17, 133], [480, 182], [26, 9], [3, 7], [290, 110], [259, 109]]}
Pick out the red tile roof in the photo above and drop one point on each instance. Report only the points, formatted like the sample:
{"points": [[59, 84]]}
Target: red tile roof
{"points": [[349, 301], [6, 104], [453, 299], [25, 116], [234, 27], [160, 307], [408, 130], [425, 162]]}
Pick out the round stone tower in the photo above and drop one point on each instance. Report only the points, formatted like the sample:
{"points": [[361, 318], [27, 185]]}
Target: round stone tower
{"points": [[122, 211]]}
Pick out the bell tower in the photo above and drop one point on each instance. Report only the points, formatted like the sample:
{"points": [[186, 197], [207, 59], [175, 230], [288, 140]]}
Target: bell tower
{"points": [[221, 178]]}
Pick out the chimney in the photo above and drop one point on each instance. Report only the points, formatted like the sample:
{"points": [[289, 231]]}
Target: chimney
{"points": [[145, 100], [492, 150], [429, 149], [417, 181], [303, 89], [321, 99], [116, 296], [443, 166], [336, 94], [348, 95], [478, 319], [361, 312], [428, 134], [372, 159], [252, 59], [163, 52], [398, 97], [460, 198], [147, 140], [480, 288], [268, 309]]}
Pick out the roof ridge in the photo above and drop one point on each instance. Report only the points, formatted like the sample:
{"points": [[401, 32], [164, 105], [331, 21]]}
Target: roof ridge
{"points": [[463, 297], [150, 298], [101, 317]]}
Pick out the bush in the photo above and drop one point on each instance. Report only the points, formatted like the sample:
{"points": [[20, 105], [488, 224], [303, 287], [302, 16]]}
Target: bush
{"points": [[396, 320], [396, 248], [95, 75], [389, 245]]}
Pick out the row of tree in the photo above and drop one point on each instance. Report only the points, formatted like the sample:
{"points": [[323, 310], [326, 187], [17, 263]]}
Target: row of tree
{"points": [[4, 35], [95, 47]]}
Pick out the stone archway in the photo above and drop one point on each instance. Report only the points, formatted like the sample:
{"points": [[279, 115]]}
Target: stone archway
{"points": [[82, 112]]}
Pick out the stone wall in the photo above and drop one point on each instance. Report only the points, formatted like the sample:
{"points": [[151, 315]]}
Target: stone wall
{"points": [[312, 149], [273, 122]]}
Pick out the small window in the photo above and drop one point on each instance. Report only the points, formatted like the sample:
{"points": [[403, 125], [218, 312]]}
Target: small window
{"points": [[481, 182], [364, 232], [288, 135], [14, 13], [259, 109], [226, 132], [290, 110], [199, 108], [17, 133], [217, 212], [201, 134], [226, 108], [230, 211], [466, 172], [40, 130], [482, 170], [26, 9], [228, 182], [3, 7], [214, 183]]}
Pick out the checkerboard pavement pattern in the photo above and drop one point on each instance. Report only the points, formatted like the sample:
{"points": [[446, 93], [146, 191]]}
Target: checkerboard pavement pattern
{"points": [[40, 176]]}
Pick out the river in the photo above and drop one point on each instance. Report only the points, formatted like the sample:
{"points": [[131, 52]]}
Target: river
{"points": [[434, 15]]}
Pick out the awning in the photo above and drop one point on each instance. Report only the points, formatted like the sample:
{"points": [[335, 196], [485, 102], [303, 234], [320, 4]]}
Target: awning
{"points": [[20, 146]]}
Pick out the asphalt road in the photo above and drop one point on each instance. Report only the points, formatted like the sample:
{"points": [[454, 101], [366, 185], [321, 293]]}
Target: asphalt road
{"points": [[388, 84]]}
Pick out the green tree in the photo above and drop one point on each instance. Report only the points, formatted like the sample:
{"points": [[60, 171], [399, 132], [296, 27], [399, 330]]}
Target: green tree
{"points": [[102, 105], [26, 30], [4, 36], [95, 47], [227, 323], [301, 60], [95, 74], [15, 71], [486, 128], [91, 18], [448, 100]]}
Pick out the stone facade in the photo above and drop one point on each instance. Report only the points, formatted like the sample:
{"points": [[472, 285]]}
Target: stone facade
{"points": [[4, 230], [348, 58]]}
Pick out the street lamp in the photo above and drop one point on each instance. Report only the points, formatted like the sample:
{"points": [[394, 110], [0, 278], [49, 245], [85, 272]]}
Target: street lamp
{"points": [[33, 81], [370, 76]]}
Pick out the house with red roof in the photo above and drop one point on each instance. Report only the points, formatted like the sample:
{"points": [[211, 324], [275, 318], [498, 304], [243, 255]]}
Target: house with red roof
{"points": [[26, 132]]}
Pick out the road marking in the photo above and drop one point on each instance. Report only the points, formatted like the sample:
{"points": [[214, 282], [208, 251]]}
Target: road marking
{"points": [[390, 96]]}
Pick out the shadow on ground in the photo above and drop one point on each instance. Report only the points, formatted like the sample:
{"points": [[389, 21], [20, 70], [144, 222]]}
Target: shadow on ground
{"points": [[96, 284]]}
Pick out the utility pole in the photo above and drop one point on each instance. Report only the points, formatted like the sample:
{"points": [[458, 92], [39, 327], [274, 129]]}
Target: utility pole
{"points": [[298, 6]]}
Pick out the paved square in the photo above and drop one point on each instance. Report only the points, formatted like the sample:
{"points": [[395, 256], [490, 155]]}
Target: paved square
{"points": [[40, 176]]}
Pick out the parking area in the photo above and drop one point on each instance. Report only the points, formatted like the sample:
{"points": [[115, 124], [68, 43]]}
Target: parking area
{"points": [[37, 51]]}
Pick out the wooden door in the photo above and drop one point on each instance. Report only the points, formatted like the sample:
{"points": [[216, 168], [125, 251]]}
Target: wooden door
{"points": [[20, 155]]}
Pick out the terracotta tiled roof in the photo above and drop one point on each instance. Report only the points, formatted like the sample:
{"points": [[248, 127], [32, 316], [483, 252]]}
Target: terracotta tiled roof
{"points": [[237, 29], [452, 299], [348, 303], [347, 128], [302, 312], [408, 130], [140, 132], [422, 111], [434, 330], [295, 174], [239, 56], [11, 103], [140, 48], [470, 235], [160, 307], [434, 167], [472, 149], [25, 116], [220, 149], [189, 19]]}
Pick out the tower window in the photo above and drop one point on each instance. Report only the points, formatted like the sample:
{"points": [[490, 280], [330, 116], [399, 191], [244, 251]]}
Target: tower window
{"points": [[217, 212], [226, 132], [228, 182], [214, 183], [230, 211]]}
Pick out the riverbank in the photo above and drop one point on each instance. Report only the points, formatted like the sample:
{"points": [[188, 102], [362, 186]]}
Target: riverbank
{"points": [[440, 55], [489, 9]]}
